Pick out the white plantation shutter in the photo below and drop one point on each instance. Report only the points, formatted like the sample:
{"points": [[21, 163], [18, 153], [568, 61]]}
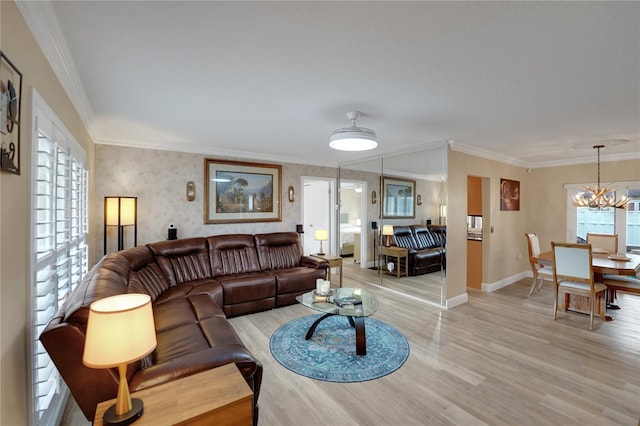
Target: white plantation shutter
{"points": [[60, 256]]}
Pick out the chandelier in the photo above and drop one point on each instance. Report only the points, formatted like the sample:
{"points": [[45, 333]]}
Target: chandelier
{"points": [[596, 197]]}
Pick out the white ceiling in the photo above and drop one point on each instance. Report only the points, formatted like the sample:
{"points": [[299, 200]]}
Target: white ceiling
{"points": [[529, 83]]}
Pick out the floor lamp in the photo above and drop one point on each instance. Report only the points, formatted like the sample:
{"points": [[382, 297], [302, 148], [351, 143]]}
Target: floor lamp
{"points": [[374, 227]]}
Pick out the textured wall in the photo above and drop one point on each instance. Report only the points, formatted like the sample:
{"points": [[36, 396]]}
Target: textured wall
{"points": [[159, 178]]}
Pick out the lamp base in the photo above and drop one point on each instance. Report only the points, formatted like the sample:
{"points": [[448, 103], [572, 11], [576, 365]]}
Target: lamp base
{"points": [[111, 418]]}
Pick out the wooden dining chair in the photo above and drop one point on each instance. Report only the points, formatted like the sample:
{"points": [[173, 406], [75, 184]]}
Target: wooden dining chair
{"points": [[540, 272], [609, 244], [606, 242], [573, 274]]}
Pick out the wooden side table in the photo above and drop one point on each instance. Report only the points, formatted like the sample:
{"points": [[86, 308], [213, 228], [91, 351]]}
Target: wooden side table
{"points": [[219, 396], [402, 259], [334, 262]]}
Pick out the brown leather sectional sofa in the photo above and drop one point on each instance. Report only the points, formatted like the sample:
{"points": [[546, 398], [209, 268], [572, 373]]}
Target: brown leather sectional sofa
{"points": [[195, 284], [427, 247]]}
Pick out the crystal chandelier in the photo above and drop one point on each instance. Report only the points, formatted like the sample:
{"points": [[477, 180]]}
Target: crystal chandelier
{"points": [[596, 197]]}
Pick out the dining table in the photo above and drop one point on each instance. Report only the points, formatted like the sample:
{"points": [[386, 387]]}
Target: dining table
{"points": [[603, 264]]}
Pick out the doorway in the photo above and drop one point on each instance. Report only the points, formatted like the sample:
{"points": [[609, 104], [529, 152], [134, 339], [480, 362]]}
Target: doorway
{"points": [[352, 238], [318, 211]]}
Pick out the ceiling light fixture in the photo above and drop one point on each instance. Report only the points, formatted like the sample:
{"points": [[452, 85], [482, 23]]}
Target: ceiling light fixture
{"points": [[595, 197], [353, 138]]}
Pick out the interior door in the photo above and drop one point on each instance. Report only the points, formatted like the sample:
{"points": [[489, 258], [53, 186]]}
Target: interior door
{"points": [[316, 213]]}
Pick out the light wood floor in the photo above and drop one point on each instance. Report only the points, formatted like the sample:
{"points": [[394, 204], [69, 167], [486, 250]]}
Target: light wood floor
{"points": [[498, 360], [425, 286]]}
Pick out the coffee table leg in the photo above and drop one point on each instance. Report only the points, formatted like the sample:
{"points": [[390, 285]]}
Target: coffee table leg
{"points": [[312, 329], [361, 336], [353, 324]]}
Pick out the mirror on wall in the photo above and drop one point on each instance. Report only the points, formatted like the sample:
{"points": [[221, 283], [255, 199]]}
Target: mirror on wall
{"points": [[404, 194]]}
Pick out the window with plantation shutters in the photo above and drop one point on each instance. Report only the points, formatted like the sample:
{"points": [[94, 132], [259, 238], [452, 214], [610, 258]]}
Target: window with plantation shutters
{"points": [[60, 256]]}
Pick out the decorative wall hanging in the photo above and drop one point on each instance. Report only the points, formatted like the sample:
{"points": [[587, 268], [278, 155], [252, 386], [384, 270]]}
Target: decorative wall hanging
{"points": [[191, 191], [292, 194], [236, 192], [419, 200], [398, 198], [10, 107], [374, 197], [509, 195]]}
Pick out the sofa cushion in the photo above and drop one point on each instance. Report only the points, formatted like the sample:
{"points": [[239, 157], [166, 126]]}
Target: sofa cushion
{"points": [[182, 260], [232, 254], [403, 237], [424, 237], [247, 287], [279, 250]]}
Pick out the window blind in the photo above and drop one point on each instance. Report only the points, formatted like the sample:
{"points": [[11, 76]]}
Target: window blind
{"points": [[60, 255]]}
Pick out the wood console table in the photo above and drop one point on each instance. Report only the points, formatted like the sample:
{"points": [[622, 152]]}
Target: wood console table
{"points": [[219, 396]]}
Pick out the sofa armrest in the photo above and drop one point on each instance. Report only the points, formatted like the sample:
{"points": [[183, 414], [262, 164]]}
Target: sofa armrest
{"points": [[314, 262]]}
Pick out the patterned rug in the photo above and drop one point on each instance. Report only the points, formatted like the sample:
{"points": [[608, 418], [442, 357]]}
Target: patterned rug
{"points": [[330, 355]]}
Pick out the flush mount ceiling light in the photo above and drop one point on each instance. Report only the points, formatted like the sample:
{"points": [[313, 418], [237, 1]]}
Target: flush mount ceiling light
{"points": [[596, 197], [353, 138]]}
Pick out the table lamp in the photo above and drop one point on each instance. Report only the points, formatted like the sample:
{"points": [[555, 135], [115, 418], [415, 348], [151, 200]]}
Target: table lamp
{"points": [[120, 330], [387, 231], [321, 234]]}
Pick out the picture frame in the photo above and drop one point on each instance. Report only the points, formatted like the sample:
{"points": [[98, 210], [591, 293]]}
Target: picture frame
{"points": [[509, 195], [10, 109], [398, 198], [237, 191]]}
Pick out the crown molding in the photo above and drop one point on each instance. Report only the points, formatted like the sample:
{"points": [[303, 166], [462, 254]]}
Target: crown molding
{"points": [[484, 153], [190, 148], [43, 23]]}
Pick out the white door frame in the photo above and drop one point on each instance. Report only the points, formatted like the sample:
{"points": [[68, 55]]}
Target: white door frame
{"points": [[364, 240], [331, 209]]}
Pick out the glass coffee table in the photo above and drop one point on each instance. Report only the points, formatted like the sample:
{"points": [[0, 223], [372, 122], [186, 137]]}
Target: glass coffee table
{"points": [[355, 313]]}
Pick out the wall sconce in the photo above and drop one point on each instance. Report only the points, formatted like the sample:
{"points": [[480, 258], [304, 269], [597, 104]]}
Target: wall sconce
{"points": [[191, 191], [443, 214], [120, 330], [292, 194], [120, 212], [387, 231], [374, 197], [419, 200], [321, 234]]}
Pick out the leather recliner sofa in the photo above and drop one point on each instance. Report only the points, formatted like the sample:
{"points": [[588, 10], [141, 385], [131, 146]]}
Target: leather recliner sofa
{"points": [[427, 248], [195, 284]]}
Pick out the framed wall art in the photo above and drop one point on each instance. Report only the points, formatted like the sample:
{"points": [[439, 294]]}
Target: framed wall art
{"points": [[509, 195], [398, 198], [10, 107], [236, 191]]}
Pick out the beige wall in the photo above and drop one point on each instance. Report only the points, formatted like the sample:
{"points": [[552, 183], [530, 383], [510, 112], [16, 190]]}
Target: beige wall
{"points": [[543, 209], [546, 212], [19, 45]]}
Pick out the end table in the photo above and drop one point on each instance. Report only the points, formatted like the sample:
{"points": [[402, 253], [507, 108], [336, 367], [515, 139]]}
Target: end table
{"points": [[334, 262]]}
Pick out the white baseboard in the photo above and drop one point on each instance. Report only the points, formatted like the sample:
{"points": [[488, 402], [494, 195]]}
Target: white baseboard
{"points": [[505, 281], [457, 300]]}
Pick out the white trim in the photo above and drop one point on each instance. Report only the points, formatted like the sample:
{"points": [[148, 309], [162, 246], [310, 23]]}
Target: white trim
{"points": [[504, 282], [43, 23], [458, 300]]}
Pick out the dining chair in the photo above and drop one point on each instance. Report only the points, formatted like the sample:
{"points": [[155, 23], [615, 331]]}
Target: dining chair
{"points": [[540, 272], [573, 274], [609, 244], [606, 242]]}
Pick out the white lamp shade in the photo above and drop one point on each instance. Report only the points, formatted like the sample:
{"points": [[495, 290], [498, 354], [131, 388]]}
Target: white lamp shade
{"points": [[120, 211], [321, 234], [443, 210], [387, 230], [120, 330]]}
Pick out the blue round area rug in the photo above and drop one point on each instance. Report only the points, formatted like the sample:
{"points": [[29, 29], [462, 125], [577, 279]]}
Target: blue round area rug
{"points": [[330, 355]]}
